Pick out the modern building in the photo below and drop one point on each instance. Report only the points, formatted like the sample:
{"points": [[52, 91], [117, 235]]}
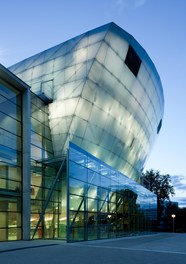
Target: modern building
{"points": [[93, 111], [14, 155]]}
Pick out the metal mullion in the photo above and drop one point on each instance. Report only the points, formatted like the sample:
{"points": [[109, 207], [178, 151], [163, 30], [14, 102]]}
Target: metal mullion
{"points": [[49, 197]]}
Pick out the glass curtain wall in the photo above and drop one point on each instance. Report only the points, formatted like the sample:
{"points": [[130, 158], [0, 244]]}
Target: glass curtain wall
{"points": [[44, 168], [103, 203], [10, 163]]}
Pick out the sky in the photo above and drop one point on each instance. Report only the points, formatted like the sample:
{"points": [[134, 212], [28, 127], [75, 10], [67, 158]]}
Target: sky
{"points": [[28, 27]]}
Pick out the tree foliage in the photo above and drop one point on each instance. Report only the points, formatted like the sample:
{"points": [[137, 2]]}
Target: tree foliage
{"points": [[162, 187], [158, 184]]}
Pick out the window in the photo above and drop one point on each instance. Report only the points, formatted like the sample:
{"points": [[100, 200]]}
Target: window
{"points": [[133, 61], [159, 126]]}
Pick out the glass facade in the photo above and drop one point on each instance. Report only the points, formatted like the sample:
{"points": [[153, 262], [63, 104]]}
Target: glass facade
{"points": [[96, 108], [103, 203], [44, 167], [10, 163], [104, 95]]}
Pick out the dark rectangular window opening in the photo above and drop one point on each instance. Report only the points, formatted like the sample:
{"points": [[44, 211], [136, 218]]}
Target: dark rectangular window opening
{"points": [[133, 61], [159, 126]]}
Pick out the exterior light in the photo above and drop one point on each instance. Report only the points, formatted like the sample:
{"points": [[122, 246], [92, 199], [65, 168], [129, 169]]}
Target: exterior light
{"points": [[173, 216]]}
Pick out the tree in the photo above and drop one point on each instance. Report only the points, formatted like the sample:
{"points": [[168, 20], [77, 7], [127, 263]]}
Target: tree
{"points": [[158, 184], [162, 187]]}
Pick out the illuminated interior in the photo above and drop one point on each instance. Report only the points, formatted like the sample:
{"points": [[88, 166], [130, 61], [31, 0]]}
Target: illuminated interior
{"points": [[10, 163], [104, 203]]}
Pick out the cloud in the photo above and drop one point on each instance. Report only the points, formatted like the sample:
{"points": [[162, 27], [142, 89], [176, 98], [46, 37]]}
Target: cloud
{"points": [[139, 3], [120, 5], [180, 200], [179, 184]]}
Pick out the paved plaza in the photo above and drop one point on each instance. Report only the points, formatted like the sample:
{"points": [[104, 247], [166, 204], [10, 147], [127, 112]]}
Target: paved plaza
{"points": [[165, 248]]}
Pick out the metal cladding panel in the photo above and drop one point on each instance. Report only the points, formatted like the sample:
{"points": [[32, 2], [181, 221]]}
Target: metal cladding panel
{"points": [[103, 100]]}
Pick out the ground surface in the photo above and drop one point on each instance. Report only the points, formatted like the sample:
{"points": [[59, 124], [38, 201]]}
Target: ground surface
{"points": [[163, 248]]}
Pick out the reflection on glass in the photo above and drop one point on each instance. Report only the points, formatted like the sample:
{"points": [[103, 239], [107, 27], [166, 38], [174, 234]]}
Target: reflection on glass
{"points": [[102, 211], [44, 167], [10, 163]]}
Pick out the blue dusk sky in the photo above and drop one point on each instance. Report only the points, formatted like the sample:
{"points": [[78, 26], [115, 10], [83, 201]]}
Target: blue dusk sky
{"points": [[28, 27]]}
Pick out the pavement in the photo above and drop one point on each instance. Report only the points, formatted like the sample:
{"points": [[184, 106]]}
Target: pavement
{"points": [[161, 248]]}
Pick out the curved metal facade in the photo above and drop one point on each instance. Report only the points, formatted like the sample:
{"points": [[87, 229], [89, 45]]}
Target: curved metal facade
{"points": [[104, 94]]}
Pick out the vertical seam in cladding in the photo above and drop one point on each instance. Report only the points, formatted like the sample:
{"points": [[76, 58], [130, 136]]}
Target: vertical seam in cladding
{"points": [[137, 79], [129, 93], [127, 88], [87, 74]]}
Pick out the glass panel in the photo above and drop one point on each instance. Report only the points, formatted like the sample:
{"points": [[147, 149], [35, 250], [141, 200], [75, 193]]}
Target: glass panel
{"points": [[105, 212], [78, 172], [77, 187], [76, 234], [10, 163], [36, 152], [10, 124], [92, 205], [10, 140], [93, 177], [3, 234], [76, 219], [10, 93], [14, 234], [92, 191], [10, 108], [76, 203], [3, 219]]}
